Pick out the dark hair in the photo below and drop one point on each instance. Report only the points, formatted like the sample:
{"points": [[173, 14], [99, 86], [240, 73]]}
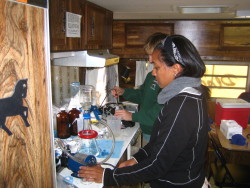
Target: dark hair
{"points": [[178, 49], [152, 41]]}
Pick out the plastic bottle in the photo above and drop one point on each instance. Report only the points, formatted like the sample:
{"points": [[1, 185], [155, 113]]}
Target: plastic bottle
{"points": [[63, 126], [73, 115]]}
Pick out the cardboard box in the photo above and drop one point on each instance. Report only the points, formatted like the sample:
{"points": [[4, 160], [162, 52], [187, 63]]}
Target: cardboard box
{"points": [[230, 128], [232, 109]]}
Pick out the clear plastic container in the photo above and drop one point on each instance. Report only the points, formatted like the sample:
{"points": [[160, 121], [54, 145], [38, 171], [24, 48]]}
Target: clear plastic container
{"points": [[74, 89], [114, 122]]}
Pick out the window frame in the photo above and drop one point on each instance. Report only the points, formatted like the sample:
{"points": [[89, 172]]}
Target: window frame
{"points": [[233, 63]]}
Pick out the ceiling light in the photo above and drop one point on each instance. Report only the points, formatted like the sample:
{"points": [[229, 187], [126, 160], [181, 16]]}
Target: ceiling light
{"points": [[201, 9], [243, 13]]}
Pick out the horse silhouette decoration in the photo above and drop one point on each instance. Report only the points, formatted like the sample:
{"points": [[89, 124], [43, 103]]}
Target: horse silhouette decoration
{"points": [[13, 105]]}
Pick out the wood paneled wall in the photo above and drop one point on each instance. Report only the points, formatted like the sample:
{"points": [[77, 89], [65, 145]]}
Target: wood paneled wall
{"points": [[207, 35], [26, 155]]}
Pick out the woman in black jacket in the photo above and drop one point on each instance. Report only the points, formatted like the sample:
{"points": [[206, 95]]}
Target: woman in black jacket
{"points": [[175, 154]]}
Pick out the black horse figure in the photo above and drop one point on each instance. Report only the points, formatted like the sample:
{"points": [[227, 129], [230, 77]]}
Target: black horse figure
{"points": [[12, 106]]}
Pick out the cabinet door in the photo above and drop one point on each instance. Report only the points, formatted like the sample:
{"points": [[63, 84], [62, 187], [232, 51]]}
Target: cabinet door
{"points": [[58, 9], [108, 29], [57, 24], [98, 27], [137, 34], [235, 36], [26, 155], [74, 6]]}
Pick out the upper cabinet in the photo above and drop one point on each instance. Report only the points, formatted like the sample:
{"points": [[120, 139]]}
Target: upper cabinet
{"points": [[129, 37], [57, 17], [235, 36], [97, 28], [136, 34], [95, 31]]}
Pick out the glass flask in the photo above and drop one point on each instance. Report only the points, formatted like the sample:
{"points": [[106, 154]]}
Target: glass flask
{"points": [[88, 142]]}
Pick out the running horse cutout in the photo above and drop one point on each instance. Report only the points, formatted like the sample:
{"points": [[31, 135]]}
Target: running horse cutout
{"points": [[13, 105]]}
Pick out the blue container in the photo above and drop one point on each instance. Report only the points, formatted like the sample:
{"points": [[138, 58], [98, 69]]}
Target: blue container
{"points": [[73, 165]]}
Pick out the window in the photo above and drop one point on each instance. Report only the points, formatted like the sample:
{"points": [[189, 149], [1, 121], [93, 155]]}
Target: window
{"points": [[226, 79]]}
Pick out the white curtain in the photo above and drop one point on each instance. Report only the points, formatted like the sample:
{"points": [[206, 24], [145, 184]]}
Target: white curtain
{"points": [[142, 69], [61, 78]]}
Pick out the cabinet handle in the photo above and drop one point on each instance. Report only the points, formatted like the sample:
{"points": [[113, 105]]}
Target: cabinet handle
{"points": [[93, 26], [247, 43], [63, 10]]}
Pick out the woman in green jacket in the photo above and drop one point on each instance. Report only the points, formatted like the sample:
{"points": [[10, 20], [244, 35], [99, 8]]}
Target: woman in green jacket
{"points": [[145, 96]]}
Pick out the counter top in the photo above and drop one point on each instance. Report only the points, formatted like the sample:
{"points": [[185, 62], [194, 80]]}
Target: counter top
{"points": [[126, 136], [227, 144]]}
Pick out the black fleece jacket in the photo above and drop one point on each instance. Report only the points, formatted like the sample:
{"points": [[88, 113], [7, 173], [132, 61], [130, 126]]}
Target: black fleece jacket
{"points": [[175, 155]]}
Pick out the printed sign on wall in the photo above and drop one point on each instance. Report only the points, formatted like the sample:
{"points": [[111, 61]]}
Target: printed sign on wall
{"points": [[73, 25]]}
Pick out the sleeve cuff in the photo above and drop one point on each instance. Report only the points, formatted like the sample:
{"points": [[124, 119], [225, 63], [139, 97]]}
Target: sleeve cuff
{"points": [[134, 159], [108, 178], [140, 155], [135, 117]]}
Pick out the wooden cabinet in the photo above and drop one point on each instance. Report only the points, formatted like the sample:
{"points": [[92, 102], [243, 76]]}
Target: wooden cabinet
{"points": [[57, 17], [137, 33], [235, 36], [130, 36], [97, 28]]}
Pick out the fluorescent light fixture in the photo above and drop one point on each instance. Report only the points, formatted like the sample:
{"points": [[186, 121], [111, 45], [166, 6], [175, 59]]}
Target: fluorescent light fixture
{"points": [[201, 9], [243, 13]]}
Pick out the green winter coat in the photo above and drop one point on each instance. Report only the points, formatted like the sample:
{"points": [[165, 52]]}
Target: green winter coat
{"points": [[146, 97]]}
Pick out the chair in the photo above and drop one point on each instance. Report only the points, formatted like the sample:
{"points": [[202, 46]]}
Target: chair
{"points": [[227, 174], [245, 96]]}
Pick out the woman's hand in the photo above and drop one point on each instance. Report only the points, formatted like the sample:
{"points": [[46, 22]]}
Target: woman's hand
{"points": [[91, 173], [117, 91], [129, 162], [125, 115]]}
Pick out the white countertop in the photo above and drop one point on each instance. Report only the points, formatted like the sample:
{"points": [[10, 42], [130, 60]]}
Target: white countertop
{"points": [[126, 135]]}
